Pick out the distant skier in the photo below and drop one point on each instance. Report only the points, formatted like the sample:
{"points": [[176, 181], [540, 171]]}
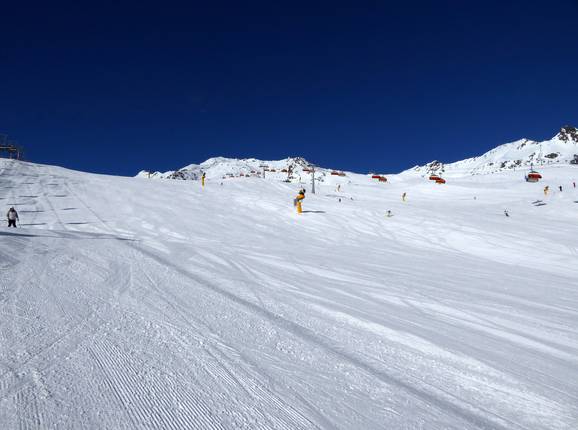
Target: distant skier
{"points": [[389, 214], [403, 196], [338, 188], [506, 212], [574, 183], [546, 189], [203, 179], [12, 216], [560, 186]]}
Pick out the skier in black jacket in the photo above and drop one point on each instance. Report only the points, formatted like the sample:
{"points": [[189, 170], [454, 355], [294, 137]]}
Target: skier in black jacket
{"points": [[12, 216]]}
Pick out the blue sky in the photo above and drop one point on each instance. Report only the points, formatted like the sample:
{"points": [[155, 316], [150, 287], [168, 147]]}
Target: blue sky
{"points": [[120, 87]]}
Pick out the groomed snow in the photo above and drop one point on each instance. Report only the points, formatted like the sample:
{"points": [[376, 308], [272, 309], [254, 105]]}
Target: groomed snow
{"points": [[132, 303]]}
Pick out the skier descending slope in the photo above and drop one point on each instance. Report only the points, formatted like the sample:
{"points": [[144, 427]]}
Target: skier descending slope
{"points": [[12, 216]]}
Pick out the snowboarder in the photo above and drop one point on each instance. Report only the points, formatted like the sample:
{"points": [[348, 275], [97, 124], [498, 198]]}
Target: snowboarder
{"points": [[298, 200], [506, 212], [403, 196], [12, 216]]}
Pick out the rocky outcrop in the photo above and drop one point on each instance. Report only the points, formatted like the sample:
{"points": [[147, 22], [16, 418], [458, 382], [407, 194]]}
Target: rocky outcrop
{"points": [[568, 134]]}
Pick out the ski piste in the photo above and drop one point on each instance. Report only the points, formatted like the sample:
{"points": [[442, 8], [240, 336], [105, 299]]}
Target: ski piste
{"points": [[145, 303]]}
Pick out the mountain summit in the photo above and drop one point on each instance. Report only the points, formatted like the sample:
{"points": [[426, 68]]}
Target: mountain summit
{"points": [[523, 153]]}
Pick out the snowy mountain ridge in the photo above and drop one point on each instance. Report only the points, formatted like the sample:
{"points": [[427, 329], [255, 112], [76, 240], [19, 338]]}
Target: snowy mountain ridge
{"points": [[523, 153], [291, 169]]}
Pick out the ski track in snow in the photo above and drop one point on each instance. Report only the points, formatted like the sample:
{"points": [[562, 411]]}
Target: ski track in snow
{"points": [[129, 303]]}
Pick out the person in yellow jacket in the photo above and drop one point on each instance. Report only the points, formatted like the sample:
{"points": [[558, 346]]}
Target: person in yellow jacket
{"points": [[203, 180], [298, 200]]}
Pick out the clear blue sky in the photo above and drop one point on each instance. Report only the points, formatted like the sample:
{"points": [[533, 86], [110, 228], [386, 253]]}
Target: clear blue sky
{"points": [[116, 87]]}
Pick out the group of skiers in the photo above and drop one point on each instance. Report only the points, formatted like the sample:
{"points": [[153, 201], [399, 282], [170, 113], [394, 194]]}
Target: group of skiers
{"points": [[12, 215]]}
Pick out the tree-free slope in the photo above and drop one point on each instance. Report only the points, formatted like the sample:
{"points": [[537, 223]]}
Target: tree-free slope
{"points": [[134, 303]]}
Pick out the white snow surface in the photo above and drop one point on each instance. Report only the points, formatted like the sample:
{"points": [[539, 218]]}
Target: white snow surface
{"points": [[130, 303]]}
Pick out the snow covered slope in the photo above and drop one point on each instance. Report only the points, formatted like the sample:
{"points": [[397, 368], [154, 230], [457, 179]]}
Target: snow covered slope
{"points": [[134, 303], [521, 154]]}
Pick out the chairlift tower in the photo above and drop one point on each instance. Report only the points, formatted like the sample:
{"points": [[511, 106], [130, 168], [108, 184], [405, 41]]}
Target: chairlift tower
{"points": [[312, 168], [10, 147]]}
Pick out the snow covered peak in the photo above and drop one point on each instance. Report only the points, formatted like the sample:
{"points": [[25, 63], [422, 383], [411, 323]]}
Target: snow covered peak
{"points": [[291, 169], [216, 161], [520, 154], [523, 153]]}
